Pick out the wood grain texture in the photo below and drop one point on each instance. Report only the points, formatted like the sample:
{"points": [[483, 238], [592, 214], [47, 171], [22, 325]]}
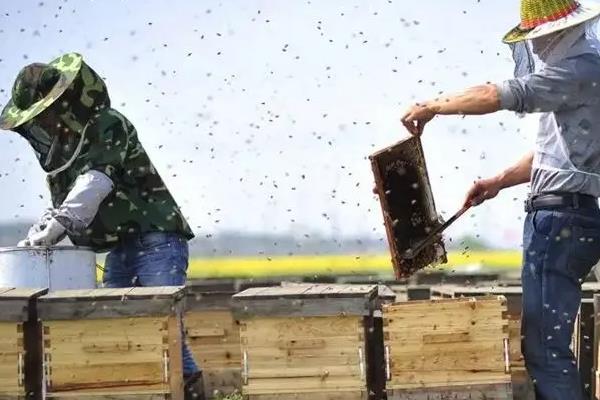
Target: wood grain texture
{"points": [[213, 336], [111, 357], [304, 355], [12, 380], [15, 302], [305, 301], [111, 303], [464, 392], [445, 343], [175, 369]]}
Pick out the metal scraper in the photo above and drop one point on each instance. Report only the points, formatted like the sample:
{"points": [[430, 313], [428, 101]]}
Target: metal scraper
{"points": [[413, 251]]}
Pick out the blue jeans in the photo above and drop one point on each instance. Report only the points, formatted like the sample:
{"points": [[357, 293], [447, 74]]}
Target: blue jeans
{"points": [[559, 249], [151, 259]]}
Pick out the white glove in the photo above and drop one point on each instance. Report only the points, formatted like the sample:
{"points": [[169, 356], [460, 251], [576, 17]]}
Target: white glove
{"points": [[53, 233], [42, 222]]}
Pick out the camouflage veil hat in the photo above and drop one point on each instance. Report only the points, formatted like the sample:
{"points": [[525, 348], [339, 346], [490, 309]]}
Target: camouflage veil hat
{"points": [[541, 17], [37, 87]]}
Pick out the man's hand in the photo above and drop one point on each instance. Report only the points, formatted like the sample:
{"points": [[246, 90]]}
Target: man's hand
{"points": [[483, 189], [416, 117], [478, 100], [51, 234]]}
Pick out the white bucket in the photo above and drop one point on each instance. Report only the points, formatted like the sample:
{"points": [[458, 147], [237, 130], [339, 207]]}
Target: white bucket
{"points": [[56, 268]]}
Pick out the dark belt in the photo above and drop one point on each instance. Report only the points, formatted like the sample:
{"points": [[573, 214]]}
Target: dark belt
{"points": [[560, 200]]}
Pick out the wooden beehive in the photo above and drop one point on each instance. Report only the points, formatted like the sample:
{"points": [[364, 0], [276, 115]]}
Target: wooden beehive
{"points": [[20, 344], [306, 341], [521, 383], [214, 338], [100, 343], [374, 337], [451, 348], [406, 199]]}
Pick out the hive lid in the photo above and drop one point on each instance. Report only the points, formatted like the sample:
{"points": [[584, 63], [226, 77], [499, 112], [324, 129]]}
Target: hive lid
{"points": [[409, 213], [15, 303], [111, 302], [131, 293], [21, 293], [308, 291], [305, 300]]}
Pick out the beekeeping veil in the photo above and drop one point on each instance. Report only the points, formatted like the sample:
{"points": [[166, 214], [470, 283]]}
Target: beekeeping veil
{"points": [[51, 106]]}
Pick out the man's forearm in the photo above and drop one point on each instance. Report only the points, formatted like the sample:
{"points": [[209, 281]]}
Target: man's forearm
{"points": [[483, 99], [518, 173]]}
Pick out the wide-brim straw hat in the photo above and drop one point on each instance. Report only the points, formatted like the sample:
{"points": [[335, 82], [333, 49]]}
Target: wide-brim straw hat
{"points": [[18, 111], [541, 17]]}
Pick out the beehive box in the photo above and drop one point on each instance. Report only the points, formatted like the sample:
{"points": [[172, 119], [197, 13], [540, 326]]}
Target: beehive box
{"points": [[113, 343], [306, 341], [374, 337], [409, 213], [521, 383], [447, 349], [20, 344], [214, 338]]}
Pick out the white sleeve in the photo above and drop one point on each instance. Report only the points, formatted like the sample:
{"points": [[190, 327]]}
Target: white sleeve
{"points": [[81, 205]]}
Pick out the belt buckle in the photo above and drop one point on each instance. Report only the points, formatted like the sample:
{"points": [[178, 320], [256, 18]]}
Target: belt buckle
{"points": [[528, 204]]}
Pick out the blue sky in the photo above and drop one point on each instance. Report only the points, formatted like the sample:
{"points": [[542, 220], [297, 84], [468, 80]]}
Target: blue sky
{"points": [[260, 115]]}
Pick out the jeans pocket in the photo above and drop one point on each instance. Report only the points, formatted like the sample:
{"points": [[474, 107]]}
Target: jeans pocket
{"points": [[541, 221], [584, 251]]}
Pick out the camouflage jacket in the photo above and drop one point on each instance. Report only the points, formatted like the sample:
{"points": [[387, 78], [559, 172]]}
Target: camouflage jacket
{"points": [[74, 130], [140, 201]]}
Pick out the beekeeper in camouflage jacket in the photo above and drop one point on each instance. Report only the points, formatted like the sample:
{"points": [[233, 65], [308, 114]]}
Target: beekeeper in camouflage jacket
{"points": [[106, 194]]}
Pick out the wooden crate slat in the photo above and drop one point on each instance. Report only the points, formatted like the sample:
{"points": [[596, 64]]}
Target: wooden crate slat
{"points": [[446, 342], [97, 344], [465, 392], [219, 355], [21, 293], [11, 348], [316, 395], [303, 385]]}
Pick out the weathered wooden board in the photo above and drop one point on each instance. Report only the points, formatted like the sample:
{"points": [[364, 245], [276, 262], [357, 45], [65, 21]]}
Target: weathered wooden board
{"points": [[20, 343], [15, 303], [140, 355], [337, 395], [466, 392], [104, 343], [12, 351], [303, 355], [513, 295], [111, 303], [446, 344], [409, 213], [309, 300], [214, 339]]}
